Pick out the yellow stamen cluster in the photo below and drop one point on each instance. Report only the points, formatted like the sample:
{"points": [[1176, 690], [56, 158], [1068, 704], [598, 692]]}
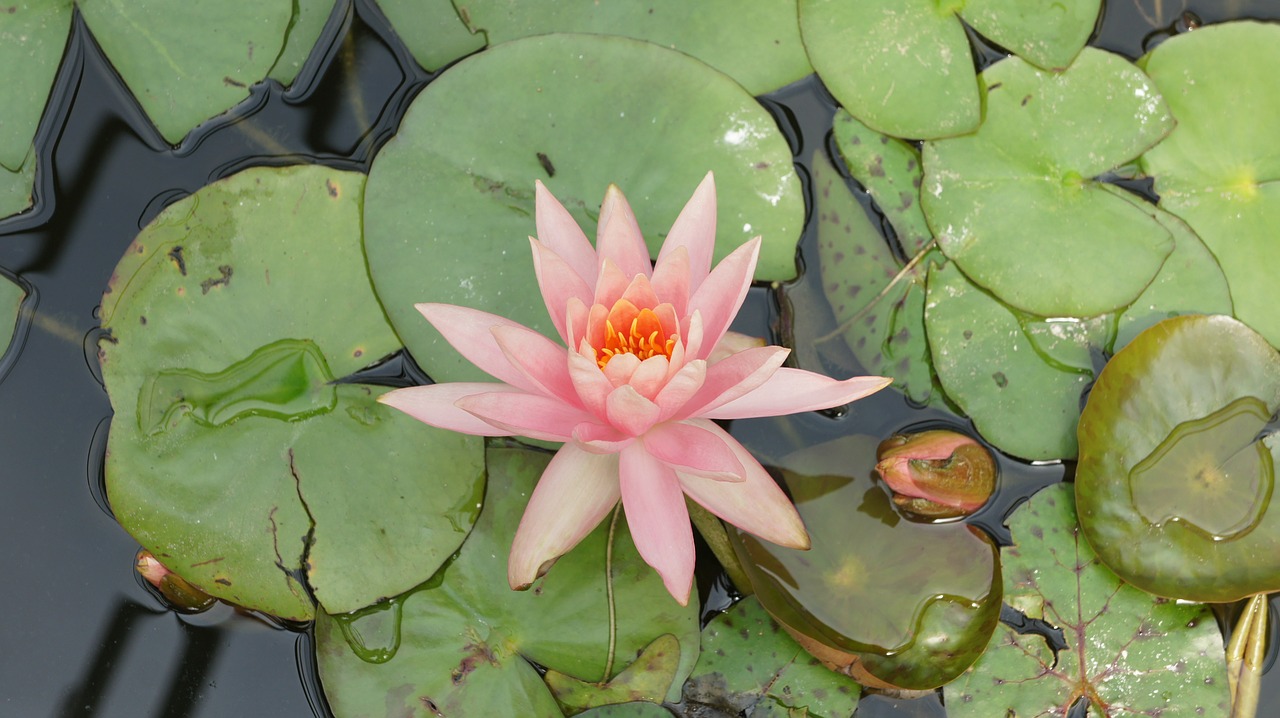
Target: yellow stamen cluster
{"points": [[645, 339]]}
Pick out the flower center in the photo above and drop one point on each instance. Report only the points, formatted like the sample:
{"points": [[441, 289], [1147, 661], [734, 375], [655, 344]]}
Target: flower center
{"points": [[644, 337]]}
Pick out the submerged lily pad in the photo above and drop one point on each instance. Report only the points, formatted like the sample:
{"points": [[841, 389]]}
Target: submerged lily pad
{"points": [[890, 170], [1015, 205], [905, 68], [749, 665], [648, 678], [180, 71], [465, 640], [432, 30], [1174, 482], [33, 35], [449, 206], [1219, 169], [916, 603], [879, 314], [12, 295], [1127, 652], [233, 457], [757, 44]]}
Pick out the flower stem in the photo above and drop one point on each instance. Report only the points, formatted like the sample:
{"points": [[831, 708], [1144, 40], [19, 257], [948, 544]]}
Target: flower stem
{"points": [[608, 587], [1245, 652], [718, 539]]}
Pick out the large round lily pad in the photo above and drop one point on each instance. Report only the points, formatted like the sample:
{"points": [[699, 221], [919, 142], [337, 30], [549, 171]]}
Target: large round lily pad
{"points": [[449, 206], [1219, 169], [1015, 203], [915, 602], [232, 455], [757, 44], [462, 643], [1174, 484]]}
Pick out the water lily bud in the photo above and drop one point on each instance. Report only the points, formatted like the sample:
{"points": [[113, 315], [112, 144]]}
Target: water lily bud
{"points": [[936, 474], [182, 596]]}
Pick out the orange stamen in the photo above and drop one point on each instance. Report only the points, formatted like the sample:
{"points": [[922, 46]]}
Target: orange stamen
{"points": [[644, 337]]}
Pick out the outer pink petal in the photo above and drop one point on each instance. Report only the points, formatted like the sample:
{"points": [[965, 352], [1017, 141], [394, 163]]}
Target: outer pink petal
{"points": [[793, 390], [720, 297], [658, 519], [468, 330], [532, 415], [591, 384], [561, 234], [541, 360], [618, 236], [600, 438], [576, 313], [576, 491], [680, 388], [688, 448], [436, 404], [732, 378], [629, 412], [755, 505], [695, 230], [559, 283], [732, 343], [609, 288], [671, 279]]}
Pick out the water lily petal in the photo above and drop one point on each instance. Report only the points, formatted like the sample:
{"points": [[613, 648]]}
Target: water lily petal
{"points": [[794, 390], [689, 448], [720, 297], [658, 519], [600, 438], [559, 232], [541, 360], [436, 404], [695, 231], [620, 368], [576, 313], [531, 415], [734, 377], [559, 283], [629, 412], [468, 331], [650, 376], [755, 505], [576, 491], [671, 279], [640, 292], [618, 238], [680, 388], [592, 385], [692, 336], [732, 343]]}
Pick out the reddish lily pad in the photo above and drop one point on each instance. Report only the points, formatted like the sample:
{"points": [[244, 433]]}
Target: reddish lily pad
{"points": [[1176, 477], [916, 606], [1127, 652], [233, 456]]}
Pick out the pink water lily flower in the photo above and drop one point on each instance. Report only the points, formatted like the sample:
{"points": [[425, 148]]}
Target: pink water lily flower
{"points": [[647, 363]]}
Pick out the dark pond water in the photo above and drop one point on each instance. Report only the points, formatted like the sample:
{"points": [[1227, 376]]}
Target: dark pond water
{"points": [[80, 633]]}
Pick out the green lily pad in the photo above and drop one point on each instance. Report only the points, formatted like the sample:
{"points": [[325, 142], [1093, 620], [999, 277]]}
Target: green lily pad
{"points": [[1127, 652], [1014, 203], [232, 455], [180, 71], [881, 320], [309, 18], [750, 666], [916, 610], [636, 709], [1218, 169], [33, 35], [432, 30], [1174, 484], [16, 186], [902, 67], [757, 44], [12, 295], [465, 636], [648, 678], [890, 170], [464, 163]]}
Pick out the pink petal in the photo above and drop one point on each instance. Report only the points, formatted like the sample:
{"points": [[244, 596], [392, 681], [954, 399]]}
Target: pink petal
{"points": [[794, 390], [541, 360], [600, 438], [692, 336], [732, 378], [610, 286], [629, 412], [671, 279], [436, 404], [591, 384], [640, 293], [576, 313], [688, 448], [531, 415], [650, 376], [720, 297], [732, 343], [680, 388], [618, 237], [658, 519], [620, 369], [559, 283], [695, 231], [755, 505], [468, 330], [576, 491], [560, 233]]}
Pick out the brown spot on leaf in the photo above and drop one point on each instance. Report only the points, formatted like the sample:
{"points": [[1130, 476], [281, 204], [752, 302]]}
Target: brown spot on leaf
{"points": [[142, 320], [547, 167], [1001, 380], [233, 82], [176, 255], [1025, 100], [221, 281], [223, 581], [333, 189]]}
